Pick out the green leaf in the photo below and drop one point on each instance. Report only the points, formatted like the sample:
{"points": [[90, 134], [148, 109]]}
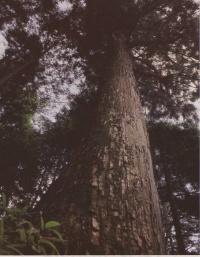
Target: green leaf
{"points": [[15, 250], [1, 230], [31, 239], [55, 240], [49, 244], [42, 250], [19, 245], [52, 224], [26, 224], [18, 234], [32, 231], [56, 233], [22, 234], [35, 249], [42, 226]]}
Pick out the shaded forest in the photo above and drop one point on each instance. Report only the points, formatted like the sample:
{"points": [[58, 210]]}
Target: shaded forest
{"points": [[54, 69]]}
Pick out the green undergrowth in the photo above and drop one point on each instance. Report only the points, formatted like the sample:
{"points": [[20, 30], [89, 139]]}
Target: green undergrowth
{"points": [[21, 235]]}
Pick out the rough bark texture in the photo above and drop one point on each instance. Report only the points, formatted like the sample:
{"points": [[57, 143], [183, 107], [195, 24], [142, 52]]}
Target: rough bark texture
{"points": [[111, 204]]}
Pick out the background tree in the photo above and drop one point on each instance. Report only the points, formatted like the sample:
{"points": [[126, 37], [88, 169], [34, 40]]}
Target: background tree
{"points": [[18, 101], [176, 166]]}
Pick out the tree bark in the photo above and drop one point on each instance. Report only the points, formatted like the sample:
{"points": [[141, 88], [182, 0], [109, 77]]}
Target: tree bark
{"points": [[111, 204]]}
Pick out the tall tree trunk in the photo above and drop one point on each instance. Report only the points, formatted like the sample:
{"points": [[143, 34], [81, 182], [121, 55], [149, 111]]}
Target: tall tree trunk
{"points": [[111, 203]]}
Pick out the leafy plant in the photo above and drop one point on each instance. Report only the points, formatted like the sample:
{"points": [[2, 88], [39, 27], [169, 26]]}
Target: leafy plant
{"points": [[18, 235]]}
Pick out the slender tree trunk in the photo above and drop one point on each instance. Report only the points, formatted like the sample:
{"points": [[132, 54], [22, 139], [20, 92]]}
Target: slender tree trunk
{"points": [[175, 216], [111, 204]]}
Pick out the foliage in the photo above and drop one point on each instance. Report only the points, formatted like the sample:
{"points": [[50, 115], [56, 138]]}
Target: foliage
{"points": [[52, 48], [19, 236]]}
